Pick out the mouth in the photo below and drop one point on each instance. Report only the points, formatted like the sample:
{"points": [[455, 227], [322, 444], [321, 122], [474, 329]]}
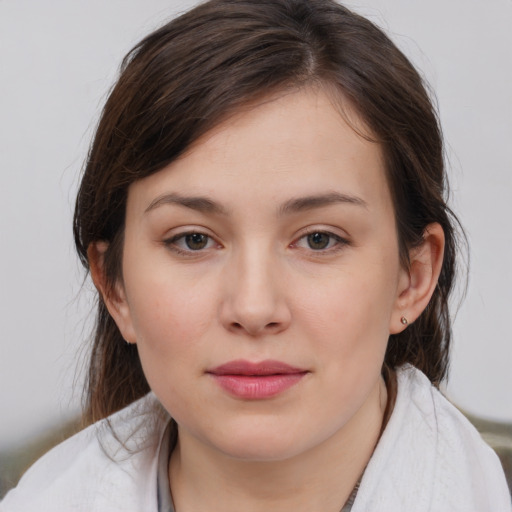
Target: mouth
{"points": [[256, 381]]}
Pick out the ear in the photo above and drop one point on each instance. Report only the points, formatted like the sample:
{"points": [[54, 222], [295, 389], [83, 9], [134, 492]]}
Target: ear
{"points": [[418, 282], [113, 295]]}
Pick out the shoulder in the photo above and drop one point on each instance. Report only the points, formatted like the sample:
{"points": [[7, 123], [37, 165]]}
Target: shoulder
{"points": [[109, 466], [467, 469], [430, 458]]}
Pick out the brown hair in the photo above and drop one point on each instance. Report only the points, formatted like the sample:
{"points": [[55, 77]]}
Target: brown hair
{"points": [[181, 80]]}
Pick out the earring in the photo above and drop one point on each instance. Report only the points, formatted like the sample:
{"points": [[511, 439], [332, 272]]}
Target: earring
{"points": [[404, 320]]}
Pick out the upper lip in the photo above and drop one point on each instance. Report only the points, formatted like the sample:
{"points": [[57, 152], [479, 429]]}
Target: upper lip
{"points": [[267, 367]]}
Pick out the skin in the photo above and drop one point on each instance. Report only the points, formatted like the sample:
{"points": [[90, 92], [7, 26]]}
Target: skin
{"points": [[255, 288]]}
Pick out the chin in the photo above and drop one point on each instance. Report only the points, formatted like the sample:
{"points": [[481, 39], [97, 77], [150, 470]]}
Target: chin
{"points": [[261, 443], [260, 451]]}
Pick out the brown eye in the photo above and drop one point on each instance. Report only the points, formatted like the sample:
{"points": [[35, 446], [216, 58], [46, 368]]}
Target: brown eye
{"points": [[196, 241], [191, 242], [318, 241], [321, 242]]}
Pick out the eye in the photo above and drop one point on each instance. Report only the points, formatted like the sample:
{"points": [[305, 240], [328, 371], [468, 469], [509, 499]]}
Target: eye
{"points": [[195, 241], [320, 241], [190, 242]]}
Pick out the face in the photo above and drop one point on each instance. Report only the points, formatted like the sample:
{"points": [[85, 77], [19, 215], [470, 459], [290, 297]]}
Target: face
{"points": [[261, 279]]}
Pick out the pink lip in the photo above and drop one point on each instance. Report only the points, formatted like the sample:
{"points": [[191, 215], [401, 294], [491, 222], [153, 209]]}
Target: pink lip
{"points": [[255, 381]]}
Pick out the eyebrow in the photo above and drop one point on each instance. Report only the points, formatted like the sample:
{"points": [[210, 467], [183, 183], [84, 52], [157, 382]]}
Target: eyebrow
{"points": [[200, 204], [318, 201], [295, 205]]}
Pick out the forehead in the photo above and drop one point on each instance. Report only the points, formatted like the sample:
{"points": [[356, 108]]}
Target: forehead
{"points": [[291, 144]]}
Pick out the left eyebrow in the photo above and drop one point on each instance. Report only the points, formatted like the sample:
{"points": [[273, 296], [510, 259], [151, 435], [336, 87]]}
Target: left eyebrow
{"points": [[318, 201]]}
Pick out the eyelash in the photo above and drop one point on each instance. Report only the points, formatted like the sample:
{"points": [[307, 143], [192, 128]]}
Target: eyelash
{"points": [[172, 243], [334, 242]]}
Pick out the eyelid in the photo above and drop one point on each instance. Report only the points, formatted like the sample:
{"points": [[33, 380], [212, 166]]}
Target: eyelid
{"points": [[182, 233], [177, 234], [341, 240]]}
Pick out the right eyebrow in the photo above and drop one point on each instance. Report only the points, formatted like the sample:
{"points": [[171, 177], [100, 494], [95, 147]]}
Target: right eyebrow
{"points": [[198, 203]]}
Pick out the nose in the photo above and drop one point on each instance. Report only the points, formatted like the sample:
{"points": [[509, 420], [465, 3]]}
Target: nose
{"points": [[254, 301]]}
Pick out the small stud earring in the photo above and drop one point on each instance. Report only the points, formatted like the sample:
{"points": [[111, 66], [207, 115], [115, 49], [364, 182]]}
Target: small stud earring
{"points": [[404, 320]]}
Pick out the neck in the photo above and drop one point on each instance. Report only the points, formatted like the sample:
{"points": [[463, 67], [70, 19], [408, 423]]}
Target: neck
{"points": [[321, 478]]}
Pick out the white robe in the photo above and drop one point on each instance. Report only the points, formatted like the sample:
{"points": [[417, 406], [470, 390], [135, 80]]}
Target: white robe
{"points": [[429, 458]]}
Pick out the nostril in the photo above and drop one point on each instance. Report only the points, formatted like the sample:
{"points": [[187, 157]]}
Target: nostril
{"points": [[271, 326]]}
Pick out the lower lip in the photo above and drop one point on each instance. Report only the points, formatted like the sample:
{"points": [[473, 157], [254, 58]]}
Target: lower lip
{"points": [[257, 387]]}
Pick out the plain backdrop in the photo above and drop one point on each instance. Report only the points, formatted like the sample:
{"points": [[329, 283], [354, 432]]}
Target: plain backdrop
{"points": [[58, 60]]}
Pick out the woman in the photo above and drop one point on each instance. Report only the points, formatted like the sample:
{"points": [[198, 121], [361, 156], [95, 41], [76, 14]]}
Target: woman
{"points": [[263, 215]]}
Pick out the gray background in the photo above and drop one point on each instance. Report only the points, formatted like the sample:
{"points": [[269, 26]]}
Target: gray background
{"points": [[57, 61]]}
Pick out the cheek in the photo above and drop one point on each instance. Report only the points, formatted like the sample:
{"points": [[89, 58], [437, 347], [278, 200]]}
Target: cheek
{"points": [[165, 302], [349, 308], [173, 327], [170, 329], [170, 319], [347, 325], [348, 331]]}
